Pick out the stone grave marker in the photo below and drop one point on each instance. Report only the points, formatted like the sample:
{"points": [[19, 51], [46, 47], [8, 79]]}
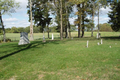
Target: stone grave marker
{"points": [[52, 36], [98, 35], [98, 43], [23, 38]]}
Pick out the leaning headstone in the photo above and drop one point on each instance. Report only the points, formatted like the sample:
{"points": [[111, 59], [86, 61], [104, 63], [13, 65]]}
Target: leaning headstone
{"points": [[52, 36], [23, 38]]}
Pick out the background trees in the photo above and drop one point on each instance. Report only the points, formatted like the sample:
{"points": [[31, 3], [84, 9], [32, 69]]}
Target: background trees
{"points": [[7, 7], [105, 27], [40, 13], [115, 16]]}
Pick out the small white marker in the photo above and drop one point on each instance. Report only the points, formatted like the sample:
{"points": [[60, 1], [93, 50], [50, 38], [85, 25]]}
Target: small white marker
{"points": [[52, 36], [110, 46], [98, 43], [101, 41]]}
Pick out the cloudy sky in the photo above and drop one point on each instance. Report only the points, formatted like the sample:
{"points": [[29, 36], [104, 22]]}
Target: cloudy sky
{"points": [[20, 18]]}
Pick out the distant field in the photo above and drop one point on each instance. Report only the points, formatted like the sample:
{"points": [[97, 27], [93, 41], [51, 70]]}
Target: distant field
{"points": [[16, 36]]}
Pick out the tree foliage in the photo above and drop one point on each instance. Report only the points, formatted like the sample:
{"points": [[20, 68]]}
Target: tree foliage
{"points": [[115, 16], [8, 6], [40, 11], [105, 27]]}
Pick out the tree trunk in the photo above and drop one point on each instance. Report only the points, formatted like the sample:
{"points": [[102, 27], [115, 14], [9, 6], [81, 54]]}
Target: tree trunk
{"points": [[79, 31], [79, 20], [98, 23], [31, 26], [92, 22], [66, 22], [48, 31], [69, 30], [83, 17], [3, 28], [66, 34], [61, 29]]}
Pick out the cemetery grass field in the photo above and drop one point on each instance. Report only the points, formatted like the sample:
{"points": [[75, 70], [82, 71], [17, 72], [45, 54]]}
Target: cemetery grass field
{"points": [[68, 59]]}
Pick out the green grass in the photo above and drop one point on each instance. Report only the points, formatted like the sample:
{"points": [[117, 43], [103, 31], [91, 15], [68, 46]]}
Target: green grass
{"points": [[61, 60]]}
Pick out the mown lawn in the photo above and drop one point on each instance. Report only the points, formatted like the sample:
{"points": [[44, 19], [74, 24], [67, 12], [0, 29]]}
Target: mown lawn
{"points": [[61, 60]]}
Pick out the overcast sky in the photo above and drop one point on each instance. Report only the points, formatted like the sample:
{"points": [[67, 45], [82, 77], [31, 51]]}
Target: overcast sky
{"points": [[20, 18]]}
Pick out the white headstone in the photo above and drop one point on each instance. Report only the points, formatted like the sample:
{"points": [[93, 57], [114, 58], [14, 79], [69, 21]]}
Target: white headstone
{"points": [[23, 38], [43, 37], [110, 46], [52, 36], [98, 35], [98, 43], [101, 41]]}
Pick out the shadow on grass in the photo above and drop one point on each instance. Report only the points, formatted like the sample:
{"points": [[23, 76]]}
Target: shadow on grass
{"points": [[111, 38], [20, 48]]}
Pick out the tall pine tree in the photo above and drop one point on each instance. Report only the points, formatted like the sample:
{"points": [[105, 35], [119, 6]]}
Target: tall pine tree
{"points": [[115, 16]]}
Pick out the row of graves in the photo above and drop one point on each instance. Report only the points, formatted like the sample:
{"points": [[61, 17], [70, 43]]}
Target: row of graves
{"points": [[24, 38]]}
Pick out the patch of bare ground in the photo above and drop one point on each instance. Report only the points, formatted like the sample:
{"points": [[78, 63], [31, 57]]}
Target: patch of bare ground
{"points": [[40, 76], [13, 78]]}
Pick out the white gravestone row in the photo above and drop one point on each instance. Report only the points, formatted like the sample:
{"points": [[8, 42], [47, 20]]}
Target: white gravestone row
{"points": [[23, 38], [44, 37], [97, 43]]}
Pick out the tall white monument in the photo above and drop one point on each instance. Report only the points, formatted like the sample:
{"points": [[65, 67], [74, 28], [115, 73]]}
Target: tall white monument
{"points": [[23, 38], [52, 36]]}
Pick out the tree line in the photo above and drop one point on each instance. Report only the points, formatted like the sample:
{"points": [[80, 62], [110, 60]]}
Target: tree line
{"points": [[105, 27], [36, 29]]}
